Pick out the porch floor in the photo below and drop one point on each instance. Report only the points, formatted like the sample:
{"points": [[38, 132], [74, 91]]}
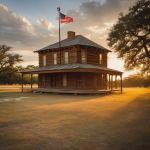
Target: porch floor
{"points": [[70, 90]]}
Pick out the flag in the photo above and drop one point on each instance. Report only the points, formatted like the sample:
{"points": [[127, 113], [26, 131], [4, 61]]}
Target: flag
{"points": [[65, 19]]}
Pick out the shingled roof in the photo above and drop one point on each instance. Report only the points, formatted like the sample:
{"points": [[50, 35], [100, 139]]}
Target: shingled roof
{"points": [[76, 66], [77, 40]]}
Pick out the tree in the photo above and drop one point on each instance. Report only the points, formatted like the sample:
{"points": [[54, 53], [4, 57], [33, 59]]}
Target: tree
{"points": [[7, 62], [130, 37]]}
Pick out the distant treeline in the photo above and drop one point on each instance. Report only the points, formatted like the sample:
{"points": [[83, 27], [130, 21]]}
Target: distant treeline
{"points": [[136, 80], [16, 77]]}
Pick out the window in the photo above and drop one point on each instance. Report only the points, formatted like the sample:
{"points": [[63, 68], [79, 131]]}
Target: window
{"points": [[64, 79], [66, 57], [55, 59], [44, 60], [100, 59], [83, 56]]}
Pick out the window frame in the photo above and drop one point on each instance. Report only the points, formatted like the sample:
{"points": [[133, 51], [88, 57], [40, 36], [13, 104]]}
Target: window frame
{"points": [[83, 61], [44, 60], [66, 58], [54, 58]]}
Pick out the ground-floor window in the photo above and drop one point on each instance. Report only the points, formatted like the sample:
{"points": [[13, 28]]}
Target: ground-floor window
{"points": [[64, 79]]}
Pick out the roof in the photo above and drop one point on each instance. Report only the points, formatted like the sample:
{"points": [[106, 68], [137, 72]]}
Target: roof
{"points": [[76, 66], [77, 40]]}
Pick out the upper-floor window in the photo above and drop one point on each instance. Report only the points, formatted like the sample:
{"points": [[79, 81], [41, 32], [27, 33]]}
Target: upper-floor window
{"points": [[64, 79], [100, 59], [44, 60], [55, 59], [66, 57], [83, 56]]}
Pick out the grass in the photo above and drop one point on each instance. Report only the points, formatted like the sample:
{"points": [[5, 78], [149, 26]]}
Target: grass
{"points": [[104, 122]]}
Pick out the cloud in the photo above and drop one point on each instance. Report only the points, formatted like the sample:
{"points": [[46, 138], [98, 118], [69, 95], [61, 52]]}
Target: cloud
{"points": [[20, 33], [45, 24], [93, 20]]}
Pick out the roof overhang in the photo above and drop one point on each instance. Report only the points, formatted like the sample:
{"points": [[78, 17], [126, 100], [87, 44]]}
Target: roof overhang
{"points": [[73, 68]]}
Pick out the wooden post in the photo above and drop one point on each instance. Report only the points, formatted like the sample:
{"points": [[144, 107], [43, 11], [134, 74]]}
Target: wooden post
{"points": [[121, 83], [116, 81], [76, 80], [60, 81], [22, 82], [31, 81], [94, 81], [102, 80], [109, 81]]}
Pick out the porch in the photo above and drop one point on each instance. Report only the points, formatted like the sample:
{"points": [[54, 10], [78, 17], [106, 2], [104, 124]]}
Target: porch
{"points": [[75, 78], [48, 90]]}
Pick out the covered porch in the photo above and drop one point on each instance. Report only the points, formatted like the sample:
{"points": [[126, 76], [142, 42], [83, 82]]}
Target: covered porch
{"points": [[78, 79], [46, 90]]}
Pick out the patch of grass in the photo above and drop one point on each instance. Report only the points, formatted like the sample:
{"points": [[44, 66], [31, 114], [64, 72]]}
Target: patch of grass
{"points": [[46, 121]]}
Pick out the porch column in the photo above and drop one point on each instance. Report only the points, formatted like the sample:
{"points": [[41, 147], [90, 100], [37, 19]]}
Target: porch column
{"points": [[121, 82], [60, 80], [94, 81], [109, 81], [116, 81], [31, 81], [76, 80], [22, 82]]}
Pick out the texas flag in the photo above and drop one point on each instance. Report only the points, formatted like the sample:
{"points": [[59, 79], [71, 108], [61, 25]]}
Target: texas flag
{"points": [[65, 19]]}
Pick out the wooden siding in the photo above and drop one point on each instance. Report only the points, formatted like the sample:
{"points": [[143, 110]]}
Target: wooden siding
{"points": [[72, 57], [93, 58], [76, 80]]}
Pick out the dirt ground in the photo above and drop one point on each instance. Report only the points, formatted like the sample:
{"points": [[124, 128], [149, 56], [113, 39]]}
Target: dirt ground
{"points": [[30, 121]]}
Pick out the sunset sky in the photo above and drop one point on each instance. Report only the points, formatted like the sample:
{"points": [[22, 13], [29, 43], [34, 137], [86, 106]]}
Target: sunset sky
{"points": [[30, 25]]}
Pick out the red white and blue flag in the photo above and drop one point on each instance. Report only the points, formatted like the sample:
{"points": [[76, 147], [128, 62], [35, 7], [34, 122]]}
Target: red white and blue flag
{"points": [[65, 19]]}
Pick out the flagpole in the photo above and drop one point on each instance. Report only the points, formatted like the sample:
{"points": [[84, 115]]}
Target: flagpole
{"points": [[58, 8]]}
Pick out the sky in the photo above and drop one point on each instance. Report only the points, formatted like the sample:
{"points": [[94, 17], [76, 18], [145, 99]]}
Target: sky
{"points": [[30, 25]]}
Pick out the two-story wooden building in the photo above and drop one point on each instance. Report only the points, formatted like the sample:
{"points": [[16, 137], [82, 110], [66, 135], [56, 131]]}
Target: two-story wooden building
{"points": [[79, 65]]}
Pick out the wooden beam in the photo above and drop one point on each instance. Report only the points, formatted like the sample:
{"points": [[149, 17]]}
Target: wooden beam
{"points": [[60, 80], [94, 81], [31, 81], [102, 80], [76, 80], [121, 83], [22, 82], [109, 81], [116, 81]]}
